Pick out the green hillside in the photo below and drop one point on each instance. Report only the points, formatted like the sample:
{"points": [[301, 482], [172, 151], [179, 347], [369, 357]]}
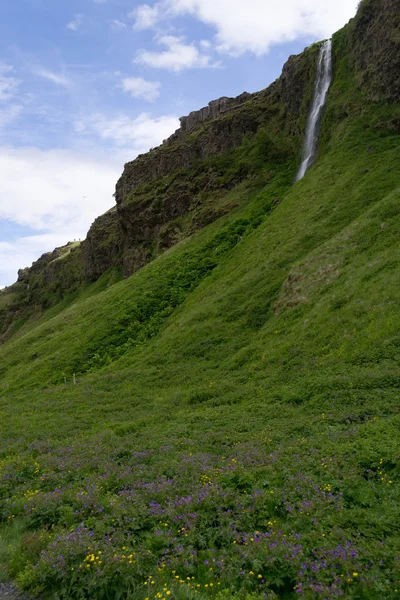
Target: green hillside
{"points": [[234, 428]]}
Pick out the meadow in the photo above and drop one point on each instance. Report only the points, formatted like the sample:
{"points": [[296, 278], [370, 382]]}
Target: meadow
{"points": [[234, 428]]}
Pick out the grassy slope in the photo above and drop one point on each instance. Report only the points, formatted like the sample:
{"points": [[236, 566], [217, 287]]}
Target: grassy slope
{"points": [[247, 419]]}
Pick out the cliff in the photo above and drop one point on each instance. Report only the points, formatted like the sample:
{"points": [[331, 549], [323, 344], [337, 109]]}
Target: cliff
{"points": [[214, 109], [222, 125], [174, 190], [102, 247], [176, 179], [374, 40]]}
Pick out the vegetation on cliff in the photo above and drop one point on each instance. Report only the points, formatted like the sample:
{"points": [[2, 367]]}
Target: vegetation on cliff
{"points": [[234, 428]]}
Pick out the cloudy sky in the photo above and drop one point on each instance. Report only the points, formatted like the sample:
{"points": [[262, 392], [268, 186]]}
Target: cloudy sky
{"points": [[86, 85]]}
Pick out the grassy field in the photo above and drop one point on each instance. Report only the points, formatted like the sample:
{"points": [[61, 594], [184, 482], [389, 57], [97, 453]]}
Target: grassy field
{"points": [[234, 429]]}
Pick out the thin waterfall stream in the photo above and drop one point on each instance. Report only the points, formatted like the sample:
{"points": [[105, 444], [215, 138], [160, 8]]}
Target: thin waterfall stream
{"points": [[322, 83]]}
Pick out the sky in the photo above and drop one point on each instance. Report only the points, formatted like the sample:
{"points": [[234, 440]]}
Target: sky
{"points": [[87, 85]]}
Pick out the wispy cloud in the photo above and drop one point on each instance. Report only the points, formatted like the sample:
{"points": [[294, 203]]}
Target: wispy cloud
{"points": [[56, 78], [140, 88], [76, 22], [145, 16], [178, 56], [8, 83], [138, 134], [8, 114], [10, 110], [117, 25]]}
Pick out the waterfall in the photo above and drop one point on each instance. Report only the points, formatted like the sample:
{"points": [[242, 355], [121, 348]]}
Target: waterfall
{"points": [[322, 83]]}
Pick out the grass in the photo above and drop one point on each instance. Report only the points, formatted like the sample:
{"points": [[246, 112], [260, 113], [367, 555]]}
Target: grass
{"points": [[234, 430]]}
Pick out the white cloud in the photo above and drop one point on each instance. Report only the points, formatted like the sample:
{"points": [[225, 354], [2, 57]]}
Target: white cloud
{"points": [[145, 16], [8, 84], [140, 88], [256, 25], [76, 22], [9, 114], [117, 25], [138, 135], [56, 194], [9, 108], [53, 77], [177, 57], [46, 189]]}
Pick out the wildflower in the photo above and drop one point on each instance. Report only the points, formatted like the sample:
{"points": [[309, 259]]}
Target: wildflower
{"points": [[355, 574]]}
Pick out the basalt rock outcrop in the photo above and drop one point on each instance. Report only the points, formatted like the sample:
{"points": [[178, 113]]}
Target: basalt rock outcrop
{"points": [[54, 274], [222, 125], [102, 246], [214, 109], [42, 285], [374, 42], [161, 186]]}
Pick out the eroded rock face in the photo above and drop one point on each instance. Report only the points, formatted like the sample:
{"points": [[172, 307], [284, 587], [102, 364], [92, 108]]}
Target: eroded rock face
{"points": [[212, 131], [23, 275], [374, 43], [55, 274], [214, 109], [220, 137], [102, 247], [223, 124]]}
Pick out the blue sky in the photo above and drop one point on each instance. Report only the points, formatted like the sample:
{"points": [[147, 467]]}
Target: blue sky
{"points": [[86, 85]]}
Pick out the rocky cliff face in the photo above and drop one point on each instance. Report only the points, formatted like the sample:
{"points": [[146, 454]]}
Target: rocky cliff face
{"points": [[102, 247], [213, 110], [53, 275], [168, 193], [212, 131], [374, 46], [222, 125], [159, 189], [45, 283]]}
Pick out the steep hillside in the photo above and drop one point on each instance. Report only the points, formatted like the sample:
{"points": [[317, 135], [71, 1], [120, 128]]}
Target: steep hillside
{"points": [[173, 191], [233, 430]]}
